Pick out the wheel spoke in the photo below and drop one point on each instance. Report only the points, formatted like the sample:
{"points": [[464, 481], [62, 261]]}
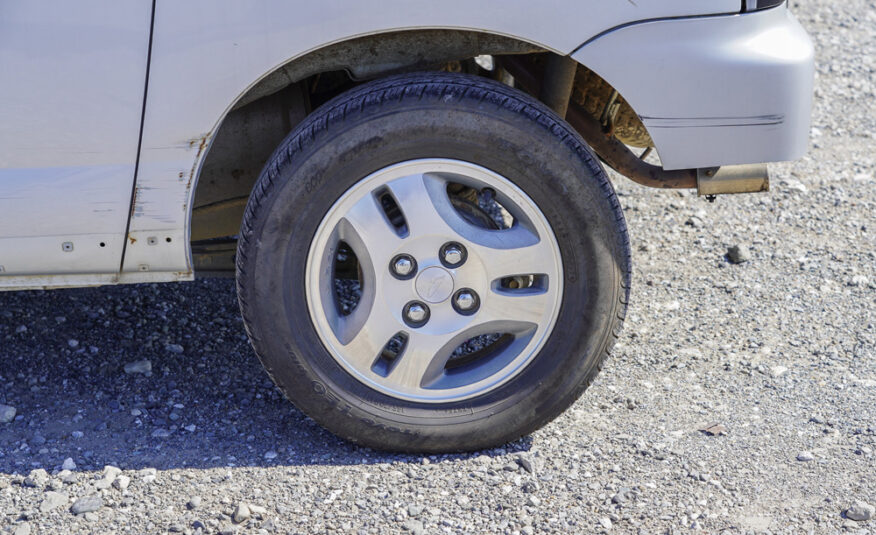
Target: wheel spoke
{"points": [[425, 205], [422, 360], [522, 306], [528, 259], [370, 339], [367, 220]]}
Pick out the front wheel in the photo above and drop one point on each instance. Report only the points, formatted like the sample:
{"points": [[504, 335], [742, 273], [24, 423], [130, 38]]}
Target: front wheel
{"points": [[433, 262]]}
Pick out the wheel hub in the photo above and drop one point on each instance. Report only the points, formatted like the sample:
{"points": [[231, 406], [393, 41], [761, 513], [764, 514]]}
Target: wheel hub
{"points": [[434, 284]]}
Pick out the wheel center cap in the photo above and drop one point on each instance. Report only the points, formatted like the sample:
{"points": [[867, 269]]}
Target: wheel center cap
{"points": [[434, 284]]}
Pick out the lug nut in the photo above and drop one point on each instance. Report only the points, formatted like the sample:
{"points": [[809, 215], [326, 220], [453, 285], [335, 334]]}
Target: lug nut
{"points": [[452, 254], [403, 266], [416, 314], [466, 301]]}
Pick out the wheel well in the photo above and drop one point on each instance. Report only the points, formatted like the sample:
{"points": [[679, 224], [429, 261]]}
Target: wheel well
{"points": [[263, 116]]}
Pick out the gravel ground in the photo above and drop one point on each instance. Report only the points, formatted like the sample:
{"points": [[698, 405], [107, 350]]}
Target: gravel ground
{"points": [[773, 356]]}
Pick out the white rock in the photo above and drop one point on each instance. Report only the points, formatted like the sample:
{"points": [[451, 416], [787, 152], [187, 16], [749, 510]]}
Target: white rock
{"points": [[7, 414], [778, 371], [122, 482], [241, 513], [68, 464], [111, 472], [139, 366], [257, 510], [794, 185], [805, 456], [36, 478], [53, 500], [148, 474]]}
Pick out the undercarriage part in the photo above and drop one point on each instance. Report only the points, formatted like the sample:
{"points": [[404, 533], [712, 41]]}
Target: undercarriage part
{"points": [[528, 74], [558, 81], [733, 179], [596, 97], [214, 258]]}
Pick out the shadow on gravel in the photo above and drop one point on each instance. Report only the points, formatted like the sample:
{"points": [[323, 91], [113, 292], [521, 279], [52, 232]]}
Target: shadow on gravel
{"points": [[207, 403]]}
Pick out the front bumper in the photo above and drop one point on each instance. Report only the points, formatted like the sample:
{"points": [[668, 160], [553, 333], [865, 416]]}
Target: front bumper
{"points": [[712, 91]]}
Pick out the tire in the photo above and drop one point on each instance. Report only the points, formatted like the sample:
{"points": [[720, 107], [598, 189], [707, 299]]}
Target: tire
{"points": [[495, 133]]}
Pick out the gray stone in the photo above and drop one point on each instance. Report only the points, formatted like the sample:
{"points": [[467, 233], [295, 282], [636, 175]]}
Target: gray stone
{"points": [[860, 511], [622, 496], [241, 513], [414, 526], [68, 464], [7, 414], [53, 500], [174, 348], [87, 504], [415, 510], [22, 529], [737, 254], [194, 502], [525, 462]]}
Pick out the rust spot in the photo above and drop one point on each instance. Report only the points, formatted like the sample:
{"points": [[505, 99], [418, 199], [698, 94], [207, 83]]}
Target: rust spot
{"points": [[191, 178], [133, 240]]}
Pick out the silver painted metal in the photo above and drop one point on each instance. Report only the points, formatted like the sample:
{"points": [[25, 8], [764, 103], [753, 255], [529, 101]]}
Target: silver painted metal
{"points": [[384, 309]]}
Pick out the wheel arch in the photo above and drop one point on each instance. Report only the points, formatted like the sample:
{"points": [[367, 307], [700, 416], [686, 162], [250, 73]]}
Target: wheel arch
{"points": [[262, 115]]}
